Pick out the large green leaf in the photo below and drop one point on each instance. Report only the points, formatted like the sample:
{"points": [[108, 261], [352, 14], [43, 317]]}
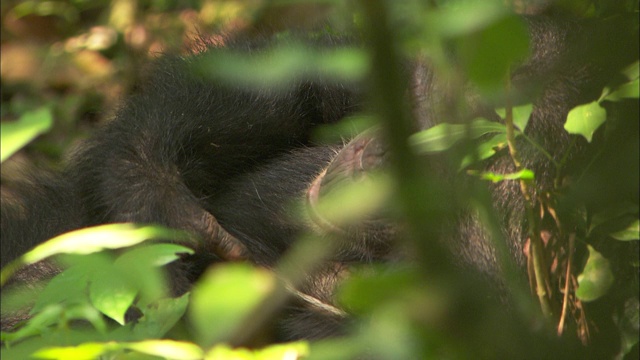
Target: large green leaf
{"points": [[160, 316], [17, 134], [98, 238], [91, 240], [489, 53], [293, 351], [111, 294], [596, 278], [585, 119], [168, 349], [631, 232], [630, 90], [224, 297]]}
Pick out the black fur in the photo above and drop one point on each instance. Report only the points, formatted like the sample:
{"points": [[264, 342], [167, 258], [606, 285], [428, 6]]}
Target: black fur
{"points": [[225, 162]]}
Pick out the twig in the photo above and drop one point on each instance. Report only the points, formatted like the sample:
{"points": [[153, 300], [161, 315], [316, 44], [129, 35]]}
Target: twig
{"points": [[567, 281], [536, 248]]}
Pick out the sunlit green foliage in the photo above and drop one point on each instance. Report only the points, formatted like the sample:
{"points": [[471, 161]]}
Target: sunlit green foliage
{"points": [[18, 134], [110, 271]]}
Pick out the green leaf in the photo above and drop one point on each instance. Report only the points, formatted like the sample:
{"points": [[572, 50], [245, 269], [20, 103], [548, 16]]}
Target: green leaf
{"points": [[629, 90], [37, 324], [86, 351], [224, 297], [296, 350], [293, 351], [625, 212], [596, 278], [351, 202], [168, 349], [91, 240], [17, 134], [160, 316], [507, 38], [521, 115], [98, 238], [338, 348], [380, 286], [455, 20], [442, 136], [88, 313], [524, 174], [348, 127], [141, 267], [283, 65], [585, 119], [485, 150], [632, 72], [632, 232], [155, 254], [628, 324], [70, 286], [111, 294]]}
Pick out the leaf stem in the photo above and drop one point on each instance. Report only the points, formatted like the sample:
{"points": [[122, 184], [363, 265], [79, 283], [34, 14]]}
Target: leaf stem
{"points": [[536, 247]]}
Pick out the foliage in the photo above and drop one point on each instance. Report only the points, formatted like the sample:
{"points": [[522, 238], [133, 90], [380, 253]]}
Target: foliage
{"points": [[421, 310]]}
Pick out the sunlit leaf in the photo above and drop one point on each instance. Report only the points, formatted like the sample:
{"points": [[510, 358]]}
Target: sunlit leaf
{"points": [[87, 313], [585, 119], [596, 278], [485, 150], [111, 294], [93, 239], [156, 254], [223, 298], [86, 351], [169, 349], [141, 267], [521, 115], [224, 352], [292, 351], [37, 324], [17, 134], [632, 232], [630, 90], [524, 174], [632, 72], [70, 286], [161, 316]]}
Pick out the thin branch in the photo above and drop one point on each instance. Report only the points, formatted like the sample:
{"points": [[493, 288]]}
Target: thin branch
{"points": [[567, 282], [536, 247]]}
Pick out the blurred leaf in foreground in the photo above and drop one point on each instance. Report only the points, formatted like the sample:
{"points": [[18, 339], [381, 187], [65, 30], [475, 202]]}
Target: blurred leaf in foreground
{"points": [[17, 134], [596, 278]]}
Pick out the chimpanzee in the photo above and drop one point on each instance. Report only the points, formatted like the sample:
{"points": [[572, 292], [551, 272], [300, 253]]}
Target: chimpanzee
{"points": [[225, 161]]}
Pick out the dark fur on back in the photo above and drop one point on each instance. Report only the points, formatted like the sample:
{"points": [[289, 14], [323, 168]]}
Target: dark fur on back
{"points": [[225, 162]]}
